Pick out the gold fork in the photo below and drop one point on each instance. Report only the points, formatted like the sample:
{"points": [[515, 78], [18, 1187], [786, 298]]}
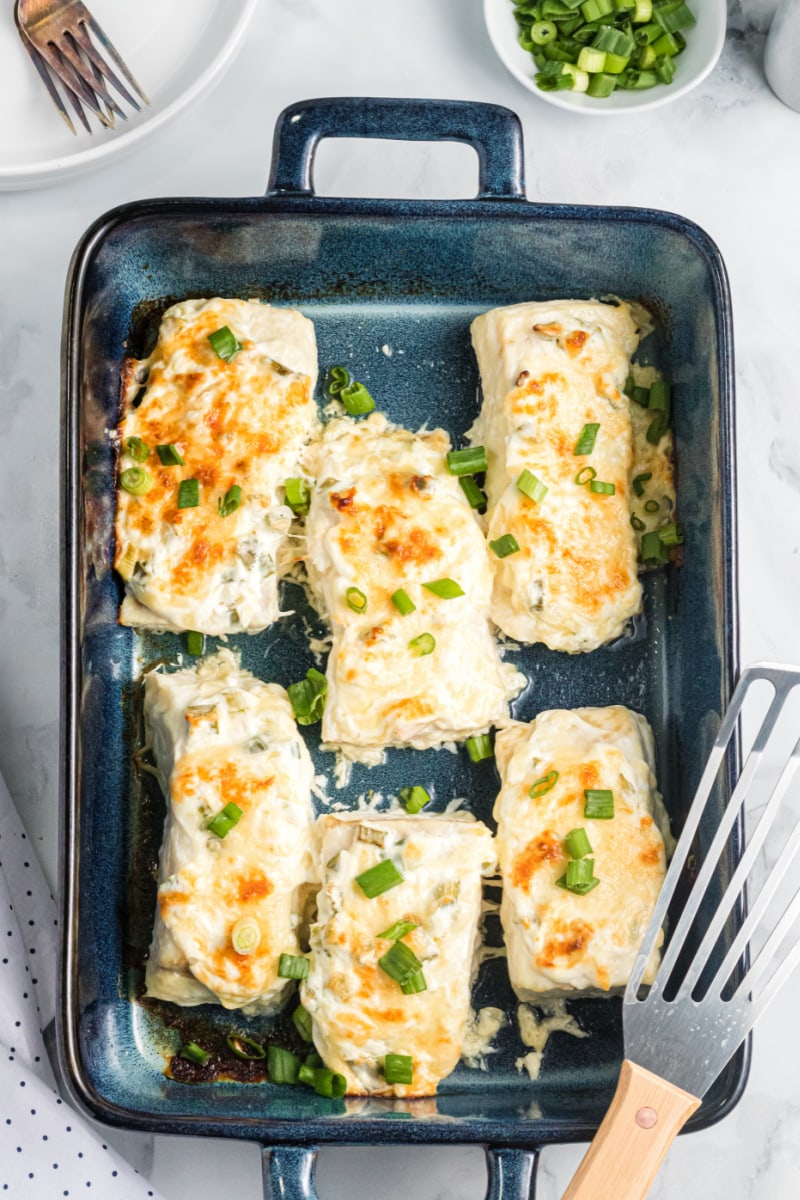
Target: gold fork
{"points": [[60, 36]]}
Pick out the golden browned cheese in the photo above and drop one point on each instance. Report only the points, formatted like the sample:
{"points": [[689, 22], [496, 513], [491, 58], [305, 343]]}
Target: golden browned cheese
{"points": [[234, 423]]}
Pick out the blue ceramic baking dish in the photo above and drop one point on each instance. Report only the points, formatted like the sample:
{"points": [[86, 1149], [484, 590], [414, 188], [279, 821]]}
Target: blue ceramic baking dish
{"points": [[392, 286]]}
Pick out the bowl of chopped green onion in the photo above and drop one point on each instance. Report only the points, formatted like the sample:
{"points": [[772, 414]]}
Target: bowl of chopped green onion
{"points": [[607, 56]]}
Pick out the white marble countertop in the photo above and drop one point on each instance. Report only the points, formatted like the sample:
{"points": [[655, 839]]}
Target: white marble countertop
{"points": [[725, 156]]}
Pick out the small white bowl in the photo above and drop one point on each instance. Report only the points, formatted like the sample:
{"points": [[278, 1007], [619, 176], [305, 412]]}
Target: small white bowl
{"points": [[703, 47]]}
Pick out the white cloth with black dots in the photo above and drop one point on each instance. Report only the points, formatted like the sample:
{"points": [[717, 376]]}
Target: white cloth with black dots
{"points": [[46, 1148]]}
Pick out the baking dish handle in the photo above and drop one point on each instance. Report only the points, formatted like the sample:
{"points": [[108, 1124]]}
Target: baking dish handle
{"points": [[289, 1173], [494, 132]]}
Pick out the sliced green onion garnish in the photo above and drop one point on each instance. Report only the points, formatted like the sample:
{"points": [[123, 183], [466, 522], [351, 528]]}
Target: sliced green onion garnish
{"points": [[532, 487], [594, 10], [471, 490], [339, 378], [446, 589], [224, 343], [637, 523], [403, 602], [664, 67], [136, 480], [580, 889], [639, 482], [307, 697], [379, 879], [414, 798], [613, 41], [653, 550], [244, 1047], [224, 821], [194, 1054], [283, 1066], [479, 747], [640, 396], [398, 930], [169, 455], [356, 399], [543, 785], [398, 1068], [298, 496], [542, 32], [579, 877], [469, 461], [137, 449], [413, 983], [189, 493], [577, 843], [246, 935], [303, 1023], [422, 645], [505, 545], [651, 506], [674, 16], [230, 502], [642, 11], [657, 428], [598, 804], [293, 966], [603, 83], [401, 964], [356, 599], [313, 1060], [671, 535], [604, 489], [585, 475], [591, 60], [587, 439], [324, 1082], [195, 642], [660, 396]]}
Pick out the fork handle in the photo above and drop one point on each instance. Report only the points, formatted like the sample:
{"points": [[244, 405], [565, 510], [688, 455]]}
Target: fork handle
{"points": [[645, 1117]]}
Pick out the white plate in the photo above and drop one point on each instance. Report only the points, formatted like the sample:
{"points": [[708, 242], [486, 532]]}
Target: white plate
{"points": [[176, 49], [704, 44]]}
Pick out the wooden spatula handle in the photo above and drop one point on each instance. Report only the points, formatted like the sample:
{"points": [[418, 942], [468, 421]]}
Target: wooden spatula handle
{"points": [[645, 1117]]}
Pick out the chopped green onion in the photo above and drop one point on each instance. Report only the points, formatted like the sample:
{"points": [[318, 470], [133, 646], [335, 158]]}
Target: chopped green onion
{"points": [[307, 697], [137, 449], [594, 10], [398, 1068], [664, 67], [470, 461], [591, 60], [603, 83], [674, 16], [532, 487], [543, 785], [667, 44], [640, 481], [613, 41], [577, 843], [379, 879], [303, 1023], [479, 747], [401, 964], [403, 602], [298, 496], [324, 1082], [283, 1066], [422, 645], [224, 343], [598, 804], [293, 966], [585, 475], [542, 32], [640, 395], [505, 545], [414, 798], [638, 80], [652, 506], [657, 428], [224, 821], [376, 837], [232, 500], [313, 1060], [169, 455], [246, 935], [579, 877], [339, 378], [653, 550], [356, 600], [587, 438], [194, 1054], [445, 589], [637, 523], [398, 930], [189, 493], [195, 642], [245, 1048], [671, 535], [356, 399], [648, 34], [604, 489], [643, 11], [136, 480], [660, 396], [471, 490]]}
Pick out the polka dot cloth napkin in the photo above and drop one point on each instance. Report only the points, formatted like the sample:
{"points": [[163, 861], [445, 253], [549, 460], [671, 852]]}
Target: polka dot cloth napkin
{"points": [[46, 1149]]}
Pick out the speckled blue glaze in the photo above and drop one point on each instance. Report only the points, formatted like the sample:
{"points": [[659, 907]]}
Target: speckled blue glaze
{"points": [[392, 287]]}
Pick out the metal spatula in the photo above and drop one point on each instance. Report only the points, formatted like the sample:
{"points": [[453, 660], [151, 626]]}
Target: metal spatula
{"points": [[676, 1045]]}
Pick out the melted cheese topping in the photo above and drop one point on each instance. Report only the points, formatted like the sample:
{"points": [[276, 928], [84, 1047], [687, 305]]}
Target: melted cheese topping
{"points": [[387, 514], [559, 942], [359, 1012], [221, 736], [240, 422], [547, 370]]}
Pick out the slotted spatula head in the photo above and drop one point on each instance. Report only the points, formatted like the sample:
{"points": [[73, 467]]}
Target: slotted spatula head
{"points": [[705, 1000]]}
